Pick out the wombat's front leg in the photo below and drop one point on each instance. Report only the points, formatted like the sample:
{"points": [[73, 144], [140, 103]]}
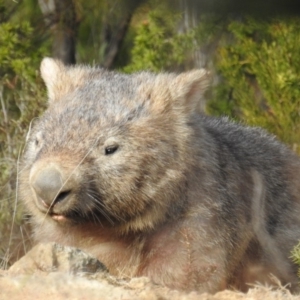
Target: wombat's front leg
{"points": [[188, 258]]}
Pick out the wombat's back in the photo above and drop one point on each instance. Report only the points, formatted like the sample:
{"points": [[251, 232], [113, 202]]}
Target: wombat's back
{"points": [[258, 179]]}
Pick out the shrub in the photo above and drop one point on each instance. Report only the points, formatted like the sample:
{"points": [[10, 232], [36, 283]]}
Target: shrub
{"points": [[260, 67], [158, 45], [20, 101]]}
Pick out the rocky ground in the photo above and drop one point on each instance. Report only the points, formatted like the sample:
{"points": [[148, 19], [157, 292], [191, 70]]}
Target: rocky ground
{"points": [[51, 271]]}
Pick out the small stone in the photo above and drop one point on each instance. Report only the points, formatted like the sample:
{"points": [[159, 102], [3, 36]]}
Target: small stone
{"points": [[53, 257]]}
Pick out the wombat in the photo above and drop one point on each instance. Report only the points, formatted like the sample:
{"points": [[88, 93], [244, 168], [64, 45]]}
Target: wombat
{"points": [[125, 168]]}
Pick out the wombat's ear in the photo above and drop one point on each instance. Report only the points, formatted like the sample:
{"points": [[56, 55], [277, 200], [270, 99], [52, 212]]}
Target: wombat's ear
{"points": [[187, 89], [52, 70], [60, 79]]}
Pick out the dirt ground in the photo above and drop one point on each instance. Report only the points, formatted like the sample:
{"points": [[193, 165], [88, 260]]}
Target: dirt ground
{"points": [[51, 271]]}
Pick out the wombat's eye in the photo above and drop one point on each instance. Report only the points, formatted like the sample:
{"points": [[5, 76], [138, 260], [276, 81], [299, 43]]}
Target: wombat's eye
{"points": [[111, 149], [37, 139]]}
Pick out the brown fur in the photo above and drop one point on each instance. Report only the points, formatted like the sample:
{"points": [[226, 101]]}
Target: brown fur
{"points": [[185, 199]]}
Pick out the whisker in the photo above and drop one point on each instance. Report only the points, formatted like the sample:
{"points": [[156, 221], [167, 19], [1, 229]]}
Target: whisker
{"points": [[15, 205], [97, 218], [23, 169], [99, 206]]}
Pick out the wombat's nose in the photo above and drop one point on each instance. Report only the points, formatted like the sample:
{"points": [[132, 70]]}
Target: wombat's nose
{"points": [[49, 186]]}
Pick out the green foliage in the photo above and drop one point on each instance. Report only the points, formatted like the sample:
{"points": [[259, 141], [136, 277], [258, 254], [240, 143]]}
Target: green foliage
{"points": [[158, 45], [21, 100], [17, 79], [260, 69], [296, 257], [14, 45]]}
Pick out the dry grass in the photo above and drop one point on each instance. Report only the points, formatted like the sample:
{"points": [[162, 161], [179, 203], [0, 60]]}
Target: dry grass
{"points": [[20, 102]]}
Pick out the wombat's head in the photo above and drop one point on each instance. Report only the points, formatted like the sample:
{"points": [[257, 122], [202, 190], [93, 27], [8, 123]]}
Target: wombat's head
{"points": [[111, 148]]}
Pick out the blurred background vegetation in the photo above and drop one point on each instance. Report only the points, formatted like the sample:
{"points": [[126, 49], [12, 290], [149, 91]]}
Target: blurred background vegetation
{"points": [[251, 48]]}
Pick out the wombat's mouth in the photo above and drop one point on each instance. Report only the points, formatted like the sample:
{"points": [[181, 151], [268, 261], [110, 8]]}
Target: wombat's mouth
{"points": [[59, 218], [77, 216], [70, 216]]}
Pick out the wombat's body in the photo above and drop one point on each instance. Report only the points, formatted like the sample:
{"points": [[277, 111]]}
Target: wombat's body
{"points": [[121, 166]]}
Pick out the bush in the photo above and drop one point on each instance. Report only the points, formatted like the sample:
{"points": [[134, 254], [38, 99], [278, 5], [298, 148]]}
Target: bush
{"points": [[260, 67], [158, 45], [21, 100], [296, 257]]}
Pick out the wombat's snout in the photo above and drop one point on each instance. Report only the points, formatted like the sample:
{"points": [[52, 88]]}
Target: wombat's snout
{"points": [[50, 186]]}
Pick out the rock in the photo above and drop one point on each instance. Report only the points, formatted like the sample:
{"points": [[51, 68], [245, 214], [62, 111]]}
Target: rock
{"points": [[53, 257]]}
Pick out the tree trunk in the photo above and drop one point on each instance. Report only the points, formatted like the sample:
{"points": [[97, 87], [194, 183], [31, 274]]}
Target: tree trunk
{"points": [[115, 27], [60, 16], [113, 40]]}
